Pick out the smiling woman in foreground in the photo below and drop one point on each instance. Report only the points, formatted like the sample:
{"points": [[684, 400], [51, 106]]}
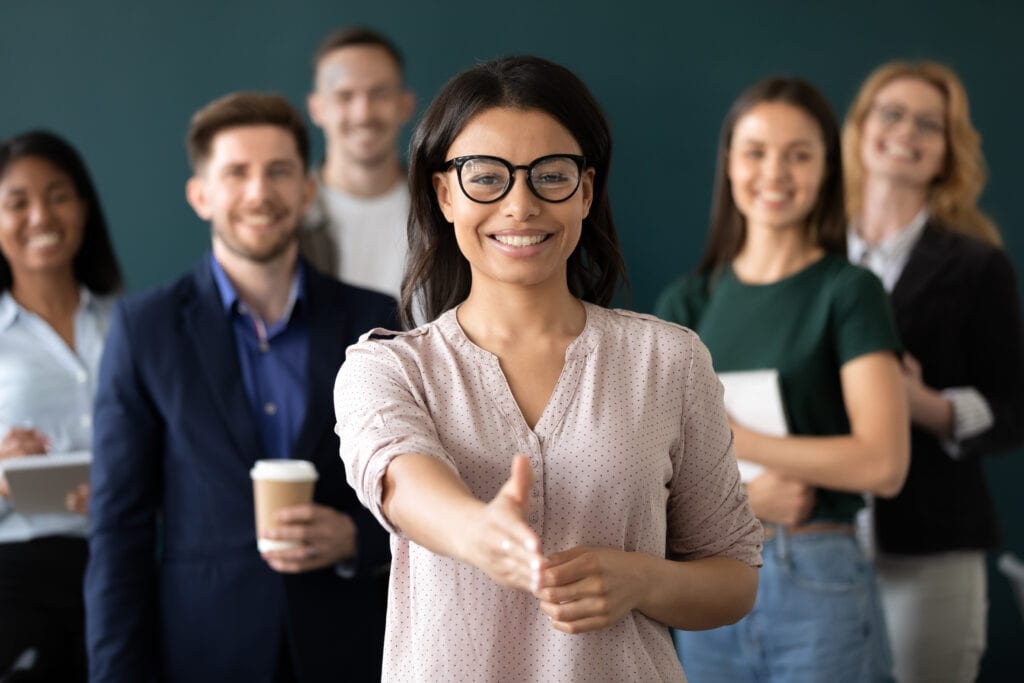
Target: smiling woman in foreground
{"points": [[558, 476]]}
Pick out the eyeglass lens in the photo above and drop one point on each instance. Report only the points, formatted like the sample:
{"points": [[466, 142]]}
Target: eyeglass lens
{"points": [[890, 115], [487, 179]]}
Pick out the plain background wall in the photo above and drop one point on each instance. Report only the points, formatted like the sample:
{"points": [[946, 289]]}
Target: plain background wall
{"points": [[120, 79]]}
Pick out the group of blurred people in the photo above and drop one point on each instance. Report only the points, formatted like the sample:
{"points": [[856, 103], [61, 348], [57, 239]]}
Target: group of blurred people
{"points": [[558, 480]]}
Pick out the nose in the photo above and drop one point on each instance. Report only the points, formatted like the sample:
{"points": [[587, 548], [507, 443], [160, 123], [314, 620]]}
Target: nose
{"points": [[775, 167], [256, 188], [39, 212], [520, 203], [359, 108]]}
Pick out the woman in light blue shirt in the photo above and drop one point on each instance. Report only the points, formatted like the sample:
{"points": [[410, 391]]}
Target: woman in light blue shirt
{"points": [[57, 274]]}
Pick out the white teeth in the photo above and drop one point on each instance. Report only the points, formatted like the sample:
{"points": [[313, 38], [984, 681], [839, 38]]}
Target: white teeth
{"points": [[520, 240], [45, 239], [258, 219], [770, 196], [902, 151]]}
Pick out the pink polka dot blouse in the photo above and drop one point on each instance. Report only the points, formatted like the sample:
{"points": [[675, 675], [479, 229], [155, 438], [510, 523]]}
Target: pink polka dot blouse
{"points": [[633, 451]]}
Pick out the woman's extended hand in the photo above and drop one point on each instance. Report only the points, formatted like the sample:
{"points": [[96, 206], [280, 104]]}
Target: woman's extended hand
{"points": [[588, 589], [500, 542]]}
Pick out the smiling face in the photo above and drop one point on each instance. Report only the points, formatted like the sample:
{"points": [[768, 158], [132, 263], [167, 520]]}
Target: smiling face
{"points": [[253, 189], [776, 166], [42, 217], [520, 239], [904, 138], [360, 103]]}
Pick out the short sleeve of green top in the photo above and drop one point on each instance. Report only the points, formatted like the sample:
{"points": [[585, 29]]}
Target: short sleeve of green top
{"points": [[806, 326]]}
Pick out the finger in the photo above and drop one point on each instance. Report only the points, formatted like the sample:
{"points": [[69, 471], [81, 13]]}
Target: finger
{"points": [[518, 485], [575, 610], [582, 625], [296, 514], [569, 571], [300, 533]]}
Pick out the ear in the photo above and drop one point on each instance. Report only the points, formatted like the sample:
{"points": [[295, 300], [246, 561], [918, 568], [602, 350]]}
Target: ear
{"points": [[309, 193], [587, 190], [408, 105], [443, 190], [314, 105], [195, 193]]}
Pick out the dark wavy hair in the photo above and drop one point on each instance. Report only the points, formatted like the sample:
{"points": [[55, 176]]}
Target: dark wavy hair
{"points": [[437, 276], [95, 265], [826, 224]]}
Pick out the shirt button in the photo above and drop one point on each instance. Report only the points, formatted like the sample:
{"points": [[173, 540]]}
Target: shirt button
{"points": [[86, 420], [534, 493], [269, 408], [533, 518], [264, 345], [81, 376]]}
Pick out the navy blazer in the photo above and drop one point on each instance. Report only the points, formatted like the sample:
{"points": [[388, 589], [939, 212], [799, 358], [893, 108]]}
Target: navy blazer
{"points": [[958, 313], [175, 588]]}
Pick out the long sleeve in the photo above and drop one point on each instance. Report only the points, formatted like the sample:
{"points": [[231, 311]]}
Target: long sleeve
{"points": [[996, 357], [120, 583]]}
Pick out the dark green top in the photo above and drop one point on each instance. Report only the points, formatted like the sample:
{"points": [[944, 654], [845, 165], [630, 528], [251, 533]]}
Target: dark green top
{"points": [[806, 326]]}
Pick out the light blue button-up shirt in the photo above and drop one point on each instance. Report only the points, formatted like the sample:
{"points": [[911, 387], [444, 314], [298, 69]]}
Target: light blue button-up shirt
{"points": [[48, 386]]}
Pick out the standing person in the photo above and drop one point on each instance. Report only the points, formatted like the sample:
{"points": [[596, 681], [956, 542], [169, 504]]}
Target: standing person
{"points": [[355, 229], [624, 513], [774, 290], [58, 276], [230, 364], [914, 171]]}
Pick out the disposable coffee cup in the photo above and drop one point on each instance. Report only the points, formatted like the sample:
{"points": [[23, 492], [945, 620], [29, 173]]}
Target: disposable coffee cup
{"points": [[278, 484]]}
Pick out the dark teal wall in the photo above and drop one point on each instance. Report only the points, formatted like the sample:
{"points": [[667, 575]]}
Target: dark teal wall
{"points": [[120, 79]]}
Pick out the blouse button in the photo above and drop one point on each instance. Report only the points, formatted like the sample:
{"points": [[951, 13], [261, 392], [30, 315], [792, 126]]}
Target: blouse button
{"points": [[269, 408]]}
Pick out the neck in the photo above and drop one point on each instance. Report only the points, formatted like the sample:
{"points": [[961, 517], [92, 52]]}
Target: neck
{"points": [[769, 255], [361, 180], [888, 208], [502, 315], [262, 286], [51, 296]]}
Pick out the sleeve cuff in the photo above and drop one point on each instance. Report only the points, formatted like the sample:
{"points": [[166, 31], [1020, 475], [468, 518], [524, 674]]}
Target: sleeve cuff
{"points": [[972, 415]]}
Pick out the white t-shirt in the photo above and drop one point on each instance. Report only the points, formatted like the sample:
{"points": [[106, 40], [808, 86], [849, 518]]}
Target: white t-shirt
{"points": [[370, 233]]}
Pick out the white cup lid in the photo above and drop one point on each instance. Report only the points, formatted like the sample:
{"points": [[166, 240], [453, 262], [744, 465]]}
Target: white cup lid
{"points": [[284, 470]]}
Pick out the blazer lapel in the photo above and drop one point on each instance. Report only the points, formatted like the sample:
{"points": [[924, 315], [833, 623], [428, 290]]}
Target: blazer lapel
{"points": [[326, 316], [213, 340], [926, 262]]}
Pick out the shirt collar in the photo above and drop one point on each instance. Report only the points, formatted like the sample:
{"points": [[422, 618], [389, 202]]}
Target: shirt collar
{"points": [[9, 308], [895, 246], [229, 297]]}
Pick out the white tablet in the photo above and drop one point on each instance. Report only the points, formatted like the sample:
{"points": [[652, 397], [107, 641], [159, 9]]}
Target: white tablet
{"points": [[41, 483]]}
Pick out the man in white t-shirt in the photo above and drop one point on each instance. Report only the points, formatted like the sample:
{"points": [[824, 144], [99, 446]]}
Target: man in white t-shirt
{"points": [[356, 227]]}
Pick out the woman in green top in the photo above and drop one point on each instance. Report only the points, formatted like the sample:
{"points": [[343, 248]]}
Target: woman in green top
{"points": [[774, 291]]}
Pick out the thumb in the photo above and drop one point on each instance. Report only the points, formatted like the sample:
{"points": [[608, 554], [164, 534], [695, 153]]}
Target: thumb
{"points": [[518, 485]]}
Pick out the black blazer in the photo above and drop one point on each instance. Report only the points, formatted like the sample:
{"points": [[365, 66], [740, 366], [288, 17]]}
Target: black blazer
{"points": [[175, 589], [958, 313]]}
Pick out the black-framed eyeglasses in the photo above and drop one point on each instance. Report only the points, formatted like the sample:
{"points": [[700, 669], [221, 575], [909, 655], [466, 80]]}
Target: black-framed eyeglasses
{"points": [[485, 179], [925, 124]]}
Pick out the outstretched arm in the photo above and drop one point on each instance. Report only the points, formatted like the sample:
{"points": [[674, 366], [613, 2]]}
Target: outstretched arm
{"points": [[492, 536]]}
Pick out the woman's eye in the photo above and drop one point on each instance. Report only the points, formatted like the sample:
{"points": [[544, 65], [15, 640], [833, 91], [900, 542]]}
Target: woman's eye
{"points": [[488, 179], [551, 179], [753, 154]]}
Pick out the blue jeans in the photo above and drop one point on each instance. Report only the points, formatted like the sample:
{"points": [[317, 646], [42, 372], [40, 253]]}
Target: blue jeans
{"points": [[818, 617]]}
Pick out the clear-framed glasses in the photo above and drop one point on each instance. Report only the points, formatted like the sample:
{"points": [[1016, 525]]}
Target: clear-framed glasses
{"points": [[924, 124], [486, 179]]}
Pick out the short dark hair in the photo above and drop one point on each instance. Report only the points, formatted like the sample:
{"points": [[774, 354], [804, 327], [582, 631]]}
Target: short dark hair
{"points": [[826, 222], [435, 266], [243, 109], [352, 36], [95, 265]]}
